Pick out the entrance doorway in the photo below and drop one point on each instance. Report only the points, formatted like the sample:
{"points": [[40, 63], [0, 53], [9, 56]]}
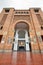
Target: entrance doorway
{"points": [[22, 38], [21, 45]]}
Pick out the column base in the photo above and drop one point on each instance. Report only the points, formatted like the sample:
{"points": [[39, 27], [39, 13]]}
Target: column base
{"points": [[1, 50], [7, 50], [41, 51], [35, 51]]}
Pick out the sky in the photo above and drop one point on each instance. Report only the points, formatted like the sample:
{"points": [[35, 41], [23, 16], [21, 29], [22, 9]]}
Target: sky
{"points": [[21, 4]]}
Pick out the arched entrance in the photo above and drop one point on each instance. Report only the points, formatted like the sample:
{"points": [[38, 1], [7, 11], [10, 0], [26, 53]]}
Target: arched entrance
{"points": [[22, 36]]}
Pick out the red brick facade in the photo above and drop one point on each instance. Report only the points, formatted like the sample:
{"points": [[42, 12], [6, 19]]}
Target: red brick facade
{"points": [[9, 17]]}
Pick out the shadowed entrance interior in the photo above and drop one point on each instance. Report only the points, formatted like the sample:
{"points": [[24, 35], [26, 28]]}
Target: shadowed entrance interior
{"points": [[22, 37]]}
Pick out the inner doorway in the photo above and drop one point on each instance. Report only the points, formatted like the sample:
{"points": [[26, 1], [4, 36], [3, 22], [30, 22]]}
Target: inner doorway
{"points": [[21, 45], [22, 38]]}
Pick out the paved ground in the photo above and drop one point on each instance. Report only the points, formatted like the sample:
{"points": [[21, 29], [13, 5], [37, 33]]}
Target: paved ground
{"points": [[21, 58]]}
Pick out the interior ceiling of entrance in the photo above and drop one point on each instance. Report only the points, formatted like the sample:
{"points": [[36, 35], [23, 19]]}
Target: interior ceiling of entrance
{"points": [[21, 34], [22, 25]]}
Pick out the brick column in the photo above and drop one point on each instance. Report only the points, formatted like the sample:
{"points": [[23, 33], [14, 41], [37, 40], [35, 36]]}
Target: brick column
{"points": [[6, 28], [32, 36], [10, 35], [36, 29], [1, 16], [41, 14], [41, 44]]}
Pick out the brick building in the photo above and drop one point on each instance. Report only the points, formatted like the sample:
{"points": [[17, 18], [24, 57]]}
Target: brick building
{"points": [[21, 30]]}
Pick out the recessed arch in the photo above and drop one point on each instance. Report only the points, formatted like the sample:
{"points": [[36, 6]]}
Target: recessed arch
{"points": [[18, 21], [21, 34], [22, 25]]}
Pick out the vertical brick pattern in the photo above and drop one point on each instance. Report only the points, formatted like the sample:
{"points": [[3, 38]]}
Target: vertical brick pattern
{"points": [[36, 28]]}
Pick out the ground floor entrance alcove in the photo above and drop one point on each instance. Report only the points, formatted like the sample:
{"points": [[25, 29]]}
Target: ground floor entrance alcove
{"points": [[22, 37]]}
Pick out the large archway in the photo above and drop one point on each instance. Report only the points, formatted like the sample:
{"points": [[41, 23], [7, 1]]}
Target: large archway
{"points": [[22, 36]]}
